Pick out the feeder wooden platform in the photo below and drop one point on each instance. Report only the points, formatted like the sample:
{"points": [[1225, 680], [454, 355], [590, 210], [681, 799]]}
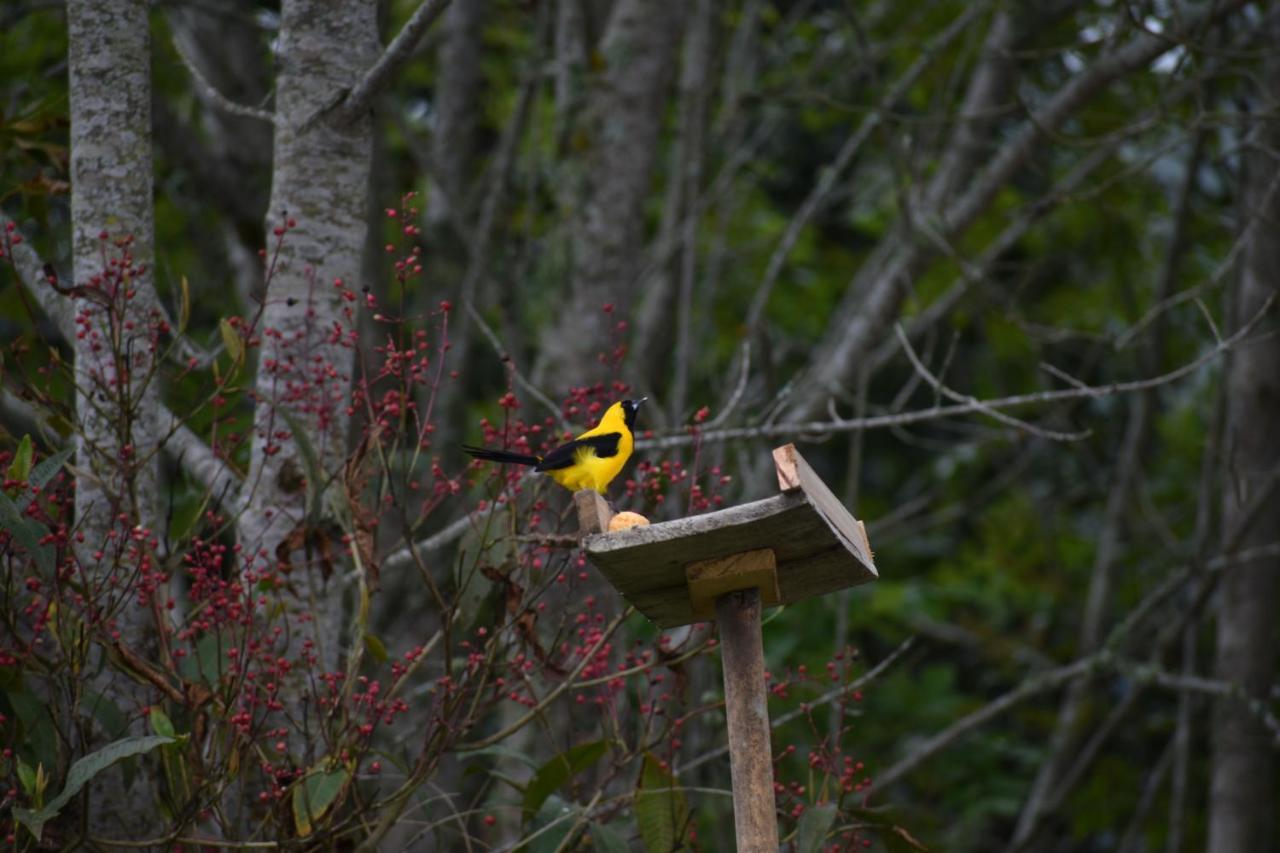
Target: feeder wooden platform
{"points": [[673, 571], [728, 566]]}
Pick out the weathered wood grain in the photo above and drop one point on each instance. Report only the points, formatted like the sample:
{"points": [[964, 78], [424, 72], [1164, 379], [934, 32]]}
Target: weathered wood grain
{"points": [[647, 564], [794, 473], [594, 513], [746, 706], [710, 579]]}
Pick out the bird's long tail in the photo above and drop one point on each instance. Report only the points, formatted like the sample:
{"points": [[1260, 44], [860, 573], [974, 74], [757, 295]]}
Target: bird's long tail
{"points": [[502, 456]]}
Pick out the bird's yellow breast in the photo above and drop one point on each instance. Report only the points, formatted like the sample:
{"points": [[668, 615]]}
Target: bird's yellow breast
{"points": [[590, 471]]}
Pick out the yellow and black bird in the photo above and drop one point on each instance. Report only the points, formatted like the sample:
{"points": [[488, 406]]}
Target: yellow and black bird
{"points": [[591, 460]]}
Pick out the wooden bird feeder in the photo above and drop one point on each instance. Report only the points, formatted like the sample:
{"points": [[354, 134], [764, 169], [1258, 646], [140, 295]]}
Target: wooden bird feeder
{"points": [[728, 565]]}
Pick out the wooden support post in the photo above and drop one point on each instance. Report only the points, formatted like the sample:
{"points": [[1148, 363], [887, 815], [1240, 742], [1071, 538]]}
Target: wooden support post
{"points": [[746, 705], [594, 513]]}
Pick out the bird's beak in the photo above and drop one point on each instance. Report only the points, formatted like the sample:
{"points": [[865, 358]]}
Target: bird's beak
{"points": [[641, 400]]}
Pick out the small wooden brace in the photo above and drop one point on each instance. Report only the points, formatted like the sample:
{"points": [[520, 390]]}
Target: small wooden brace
{"points": [[710, 579], [594, 513]]}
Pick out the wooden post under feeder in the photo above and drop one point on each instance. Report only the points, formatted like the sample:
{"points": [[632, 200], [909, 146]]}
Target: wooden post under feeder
{"points": [[728, 566]]}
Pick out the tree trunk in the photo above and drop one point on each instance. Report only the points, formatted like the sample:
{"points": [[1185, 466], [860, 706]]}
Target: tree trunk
{"points": [[623, 121], [319, 194], [453, 129], [1242, 792], [116, 396]]}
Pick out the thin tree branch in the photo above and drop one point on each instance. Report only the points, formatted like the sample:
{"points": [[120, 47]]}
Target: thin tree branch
{"points": [[395, 57], [213, 96], [875, 294], [1093, 392], [937, 385], [565, 684], [190, 450], [830, 696]]}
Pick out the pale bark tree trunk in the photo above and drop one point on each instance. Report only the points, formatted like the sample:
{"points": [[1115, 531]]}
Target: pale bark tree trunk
{"points": [[116, 396], [571, 40], [457, 107], [320, 184], [624, 117], [1242, 786], [675, 247]]}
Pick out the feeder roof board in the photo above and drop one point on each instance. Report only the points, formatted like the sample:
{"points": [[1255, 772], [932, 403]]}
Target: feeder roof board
{"points": [[818, 546]]}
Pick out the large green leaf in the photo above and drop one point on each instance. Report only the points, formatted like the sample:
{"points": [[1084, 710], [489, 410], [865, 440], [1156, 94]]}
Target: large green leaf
{"points": [[661, 810], [108, 714], [26, 531], [20, 467], [815, 823], [47, 467], [39, 740], [317, 792], [209, 662], [559, 770], [80, 774]]}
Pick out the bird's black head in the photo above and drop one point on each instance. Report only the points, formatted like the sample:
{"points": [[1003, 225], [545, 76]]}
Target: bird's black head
{"points": [[629, 409]]}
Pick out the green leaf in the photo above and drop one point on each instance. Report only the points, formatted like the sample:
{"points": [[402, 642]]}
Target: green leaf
{"points": [[27, 532], [560, 769], [208, 663], [376, 647], [310, 464], [606, 839], [317, 792], [500, 750], [660, 808], [161, 724], [37, 736], [232, 341], [20, 467], [47, 467], [107, 713], [815, 823], [80, 774], [27, 776]]}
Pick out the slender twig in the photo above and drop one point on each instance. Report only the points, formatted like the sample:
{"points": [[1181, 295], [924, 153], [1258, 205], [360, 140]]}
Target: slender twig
{"points": [[565, 684], [1034, 686], [196, 456], [938, 386], [830, 696], [211, 93], [1095, 392]]}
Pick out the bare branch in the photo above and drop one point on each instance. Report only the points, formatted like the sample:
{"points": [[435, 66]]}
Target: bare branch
{"points": [[830, 696], [937, 385], [210, 93], [196, 456], [1093, 392], [831, 173], [31, 272], [397, 54]]}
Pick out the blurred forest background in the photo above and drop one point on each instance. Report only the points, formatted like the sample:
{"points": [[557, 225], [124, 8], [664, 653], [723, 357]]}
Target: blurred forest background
{"points": [[1004, 271]]}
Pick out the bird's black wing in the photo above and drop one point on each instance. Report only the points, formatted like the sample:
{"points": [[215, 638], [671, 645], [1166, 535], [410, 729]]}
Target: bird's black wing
{"points": [[605, 445]]}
